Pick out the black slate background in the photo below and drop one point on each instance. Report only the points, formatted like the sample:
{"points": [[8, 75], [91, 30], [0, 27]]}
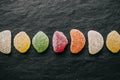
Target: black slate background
{"points": [[63, 15]]}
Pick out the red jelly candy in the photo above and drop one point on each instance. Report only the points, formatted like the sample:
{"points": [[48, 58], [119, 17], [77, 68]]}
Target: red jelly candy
{"points": [[59, 42]]}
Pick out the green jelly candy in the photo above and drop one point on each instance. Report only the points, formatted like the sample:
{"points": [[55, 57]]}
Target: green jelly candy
{"points": [[40, 42]]}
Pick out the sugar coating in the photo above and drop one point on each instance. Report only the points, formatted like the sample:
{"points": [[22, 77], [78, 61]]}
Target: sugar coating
{"points": [[95, 42], [40, 41], [77, 41], [22, 42], [113, 41], [59, 42], [5, 41]]}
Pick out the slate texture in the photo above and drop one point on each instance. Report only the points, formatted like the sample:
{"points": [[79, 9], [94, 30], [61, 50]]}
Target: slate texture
{"points": [[48, 16]]}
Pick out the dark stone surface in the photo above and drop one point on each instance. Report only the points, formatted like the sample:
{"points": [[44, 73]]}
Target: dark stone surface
{"points": [[63, 15]]}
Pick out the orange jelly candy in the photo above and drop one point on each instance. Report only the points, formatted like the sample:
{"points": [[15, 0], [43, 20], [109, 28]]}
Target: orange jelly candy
{"points": [[77, 41]]}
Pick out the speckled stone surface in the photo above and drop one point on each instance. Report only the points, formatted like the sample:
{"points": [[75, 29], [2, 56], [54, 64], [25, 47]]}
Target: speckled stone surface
{"points": [[48, 16]]}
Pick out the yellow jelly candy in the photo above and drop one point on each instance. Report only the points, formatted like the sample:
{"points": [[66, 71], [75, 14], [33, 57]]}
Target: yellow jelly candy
{"points": [[22, 42], [113, 41]]}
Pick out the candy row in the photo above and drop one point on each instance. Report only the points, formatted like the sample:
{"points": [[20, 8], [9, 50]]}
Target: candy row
{"points": [[40, 41]]}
